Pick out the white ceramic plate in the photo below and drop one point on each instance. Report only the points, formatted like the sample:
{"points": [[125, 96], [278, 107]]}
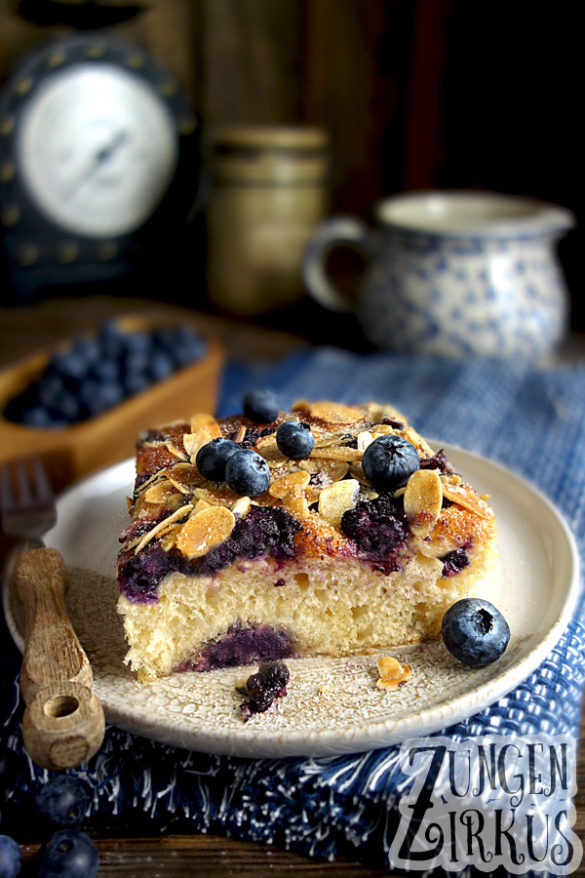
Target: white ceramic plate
{"points": [[333, 705]]}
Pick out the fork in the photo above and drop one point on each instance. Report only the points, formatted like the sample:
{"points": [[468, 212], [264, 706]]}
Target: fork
{"points": [[63, 723]]}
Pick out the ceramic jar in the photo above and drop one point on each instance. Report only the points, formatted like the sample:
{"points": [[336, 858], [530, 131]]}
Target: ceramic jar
{"points": [[269, 188], [453, 273]]}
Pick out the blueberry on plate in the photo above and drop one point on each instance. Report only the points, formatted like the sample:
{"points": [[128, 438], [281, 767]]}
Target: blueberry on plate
{"points": [[11, 858], [475, 632], [212, 458], [247, 473], [63, 800], [261, 406], [389, 462], [295, 439], [68, 854]]}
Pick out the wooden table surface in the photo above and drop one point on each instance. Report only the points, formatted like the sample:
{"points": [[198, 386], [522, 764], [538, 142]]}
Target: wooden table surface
{"points": [[38, 328]]}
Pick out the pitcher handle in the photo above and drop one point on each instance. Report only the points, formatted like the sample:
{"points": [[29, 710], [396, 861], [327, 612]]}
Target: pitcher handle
{"points": [[338, 231]]}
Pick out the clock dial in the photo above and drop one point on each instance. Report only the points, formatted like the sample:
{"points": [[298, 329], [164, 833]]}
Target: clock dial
{"points": [[97, 149]]}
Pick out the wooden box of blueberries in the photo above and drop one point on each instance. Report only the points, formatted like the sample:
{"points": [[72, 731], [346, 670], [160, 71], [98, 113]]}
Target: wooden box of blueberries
{"points": [[82, 406]]}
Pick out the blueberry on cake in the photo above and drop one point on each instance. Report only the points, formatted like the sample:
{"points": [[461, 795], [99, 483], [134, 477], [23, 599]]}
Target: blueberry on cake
{"points": [[329, 530]]}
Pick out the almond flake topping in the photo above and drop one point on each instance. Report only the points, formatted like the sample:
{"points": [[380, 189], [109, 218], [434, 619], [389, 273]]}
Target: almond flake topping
{"points": [[392, 673], [337, 499], [336, 413], [163, 526], [205, 530], [337, 452], [464, 496], [423, 500], [242, 506], [281, 486], [160, 493], [296, 503]]}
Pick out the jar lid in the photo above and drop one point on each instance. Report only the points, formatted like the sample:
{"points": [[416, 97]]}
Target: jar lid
{"points": [[259, 137]]}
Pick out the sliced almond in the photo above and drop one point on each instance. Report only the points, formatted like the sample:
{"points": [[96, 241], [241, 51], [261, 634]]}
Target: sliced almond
{"points": [[241, 506], [364, 439], [216, 496], [337, 452], [267, 447], [421, 445], [464, 496], [167, 541], [205, 530], [423, 500], [392, 673], [336, 413], [337, 499], [163, 526], [184, 475], [280, 487], [356, 471], [240, 435], [176, 452], [204, 421], [329, 471], [296, 503], [160, 492]]}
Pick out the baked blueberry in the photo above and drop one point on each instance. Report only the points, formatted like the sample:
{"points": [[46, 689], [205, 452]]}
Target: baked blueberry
{"points": [[63, 800], [389, 462], [11, 859], [261, 406], [247, 473], [68, 854], [295, 439], [475, 632], [212, 458]]}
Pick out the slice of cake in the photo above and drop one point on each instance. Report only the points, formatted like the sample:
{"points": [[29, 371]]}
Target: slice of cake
{"points": [[330, 530]]}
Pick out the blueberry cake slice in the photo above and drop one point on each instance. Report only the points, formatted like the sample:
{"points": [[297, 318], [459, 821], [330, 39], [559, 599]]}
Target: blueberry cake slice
{"points": [[326, 530]]}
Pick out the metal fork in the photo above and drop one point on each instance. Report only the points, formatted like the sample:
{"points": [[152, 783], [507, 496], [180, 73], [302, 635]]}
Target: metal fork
{"points": [[63, 724]]}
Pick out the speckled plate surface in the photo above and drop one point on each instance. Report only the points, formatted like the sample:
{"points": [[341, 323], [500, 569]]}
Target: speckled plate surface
{"points": [[333, 705]]}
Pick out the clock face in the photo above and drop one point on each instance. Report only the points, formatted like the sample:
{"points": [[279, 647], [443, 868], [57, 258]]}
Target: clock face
{"points": [[96, 149]]}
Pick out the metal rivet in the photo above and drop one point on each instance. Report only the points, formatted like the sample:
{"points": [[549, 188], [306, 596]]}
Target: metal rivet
{"points": [[95, 51], [135, 61], [107, 251], [23, 85], [10, 215], [7, 126], [27, 254], [55, 59], [68, 253], [7, 172]]}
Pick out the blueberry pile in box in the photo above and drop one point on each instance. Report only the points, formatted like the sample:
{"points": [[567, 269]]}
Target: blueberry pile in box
{"points": [[98, 372]]}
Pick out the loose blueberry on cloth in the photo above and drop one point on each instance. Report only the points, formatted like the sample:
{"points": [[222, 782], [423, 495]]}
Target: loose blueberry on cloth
{"points": [[531, 420]]}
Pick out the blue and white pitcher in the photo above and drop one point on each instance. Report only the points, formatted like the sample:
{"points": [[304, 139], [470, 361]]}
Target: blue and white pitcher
{"points": [[452, 273]]}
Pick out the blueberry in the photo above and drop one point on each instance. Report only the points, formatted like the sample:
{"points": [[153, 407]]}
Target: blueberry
{"points": [[160, 365], [212, 458], [63, 800], [68, 854], [261, 406], [294, 438], [11, 858], [247, 473], [475, 632], [389, 462]]}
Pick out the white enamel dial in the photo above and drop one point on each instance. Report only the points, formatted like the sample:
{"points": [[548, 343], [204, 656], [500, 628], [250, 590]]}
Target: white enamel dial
{"points": [[97, 149]]}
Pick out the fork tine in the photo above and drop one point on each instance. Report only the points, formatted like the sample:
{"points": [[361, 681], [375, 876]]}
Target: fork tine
{"points": [[43, 487], [23, 483], [6, 495]]}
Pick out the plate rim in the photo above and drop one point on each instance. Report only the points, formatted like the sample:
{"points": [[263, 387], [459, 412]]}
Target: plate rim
{"points": [[375, 732]]}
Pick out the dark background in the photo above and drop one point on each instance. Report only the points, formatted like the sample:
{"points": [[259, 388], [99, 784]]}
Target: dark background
{"points": [[415, 93]]}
